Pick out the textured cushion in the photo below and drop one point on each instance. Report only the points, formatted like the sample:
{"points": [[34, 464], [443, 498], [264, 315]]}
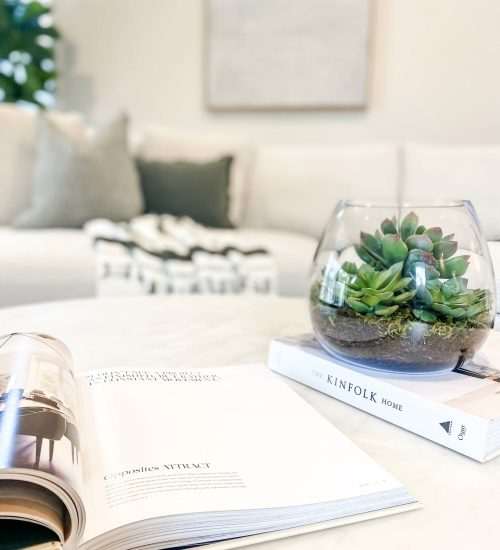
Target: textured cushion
{"points": [[199, 191], [434, 173], [293, 254], [76, 181], [17, 154], [297, 187], [172, 144]]}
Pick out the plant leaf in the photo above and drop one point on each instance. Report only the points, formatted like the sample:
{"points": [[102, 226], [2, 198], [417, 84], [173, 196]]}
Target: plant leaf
{"points": [[370, 242], [421, 273], [354, 293], [359, 307], [421, 242], [435, 234], [384, 296], [437, 295], [425, 315], [370, 300], [448, 311], [350, 267], [394, 249], [444, 249], [399, 283], [409, 225], [365, 272], [372, 246], [33, 10], [423, 295], [417, 255], [361, 252], [458, 313], [454, 286], [476, 309], [388, 226], [404, 297], [453, 267], [443, 309], [433, 284], [385, 311], [386, 277]]}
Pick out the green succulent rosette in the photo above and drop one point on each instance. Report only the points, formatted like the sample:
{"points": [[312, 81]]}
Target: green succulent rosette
{"points": [[407, 267]]}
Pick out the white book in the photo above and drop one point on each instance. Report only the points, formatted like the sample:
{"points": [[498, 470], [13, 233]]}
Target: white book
{"points": [[164, 458], [459, 409]]}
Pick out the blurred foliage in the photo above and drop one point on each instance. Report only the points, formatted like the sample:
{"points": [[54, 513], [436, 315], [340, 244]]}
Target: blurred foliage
{"points": [[27, 40]]}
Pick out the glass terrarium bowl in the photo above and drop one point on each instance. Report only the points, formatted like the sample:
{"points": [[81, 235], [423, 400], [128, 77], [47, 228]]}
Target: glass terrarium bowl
{"points": [[405, 288]]}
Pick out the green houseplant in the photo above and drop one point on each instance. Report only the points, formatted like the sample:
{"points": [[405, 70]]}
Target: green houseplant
{"points": [[27, 39], [403, 300]]}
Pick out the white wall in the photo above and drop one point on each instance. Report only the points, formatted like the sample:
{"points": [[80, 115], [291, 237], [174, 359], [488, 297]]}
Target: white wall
{"points": [[435, 72]]}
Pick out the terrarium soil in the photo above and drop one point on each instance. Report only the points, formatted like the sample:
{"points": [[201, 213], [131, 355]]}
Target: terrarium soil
{"points": [[372, 341]]}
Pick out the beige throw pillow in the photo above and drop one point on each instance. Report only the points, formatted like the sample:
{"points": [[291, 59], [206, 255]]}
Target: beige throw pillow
{"points": [[75, 181], [18, 129]]}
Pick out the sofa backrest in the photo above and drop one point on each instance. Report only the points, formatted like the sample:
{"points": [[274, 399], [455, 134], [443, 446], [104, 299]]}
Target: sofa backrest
{"points": [[296, 188], [287, 187], [435, 173], [17, 154]]}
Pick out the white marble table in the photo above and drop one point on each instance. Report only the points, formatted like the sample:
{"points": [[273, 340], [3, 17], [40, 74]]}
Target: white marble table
{"points": [[460, 497]]}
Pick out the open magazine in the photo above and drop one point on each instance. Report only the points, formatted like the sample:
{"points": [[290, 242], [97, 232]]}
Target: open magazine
{"points": [[140, 458]]}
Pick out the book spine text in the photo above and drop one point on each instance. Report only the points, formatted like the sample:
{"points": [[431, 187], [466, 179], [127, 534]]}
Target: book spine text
{"points": [[431, 419]]}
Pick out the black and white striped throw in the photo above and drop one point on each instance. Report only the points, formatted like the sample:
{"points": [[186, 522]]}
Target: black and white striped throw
{"points": [[162, 254]]}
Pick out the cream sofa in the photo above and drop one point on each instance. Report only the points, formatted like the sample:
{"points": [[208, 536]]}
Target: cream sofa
{"points": [[280, 194]]}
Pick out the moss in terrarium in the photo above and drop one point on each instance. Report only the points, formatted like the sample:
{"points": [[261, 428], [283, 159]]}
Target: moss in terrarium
{"points": [[399, 323]]}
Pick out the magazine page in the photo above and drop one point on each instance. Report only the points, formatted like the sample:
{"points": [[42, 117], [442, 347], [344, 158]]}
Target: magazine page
{"points": [[171, 442], [39, 435], [41, 510]]}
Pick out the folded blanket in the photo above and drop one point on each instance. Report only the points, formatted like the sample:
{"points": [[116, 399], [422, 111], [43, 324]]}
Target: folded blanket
{"points": [[164, 254]]}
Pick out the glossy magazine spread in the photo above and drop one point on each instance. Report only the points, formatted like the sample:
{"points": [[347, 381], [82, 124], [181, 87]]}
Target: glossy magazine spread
{"points": [[131, 457]]}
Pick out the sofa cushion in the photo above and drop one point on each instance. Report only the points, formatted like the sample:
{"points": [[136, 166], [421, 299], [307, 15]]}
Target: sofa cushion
{"points": [[435, 173], [172, 144], [197, 190], [45, 264], [57, 264], [296, 188], [17, 154], [75, 180]]}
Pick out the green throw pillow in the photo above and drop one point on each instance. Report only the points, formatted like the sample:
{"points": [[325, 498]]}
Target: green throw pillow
{"points": [[200, 191]]}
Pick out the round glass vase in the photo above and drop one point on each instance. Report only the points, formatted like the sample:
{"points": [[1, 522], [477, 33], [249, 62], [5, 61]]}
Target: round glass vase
{"points": [[406, 288]]}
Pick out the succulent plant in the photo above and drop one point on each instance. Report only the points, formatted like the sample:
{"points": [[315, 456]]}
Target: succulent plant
{"points": [[454, 300], [395, 244], [369, 291], [408, 265]]}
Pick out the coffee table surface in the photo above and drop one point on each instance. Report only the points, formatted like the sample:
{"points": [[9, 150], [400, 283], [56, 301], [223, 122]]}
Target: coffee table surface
{"points": [[460, 497]]}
